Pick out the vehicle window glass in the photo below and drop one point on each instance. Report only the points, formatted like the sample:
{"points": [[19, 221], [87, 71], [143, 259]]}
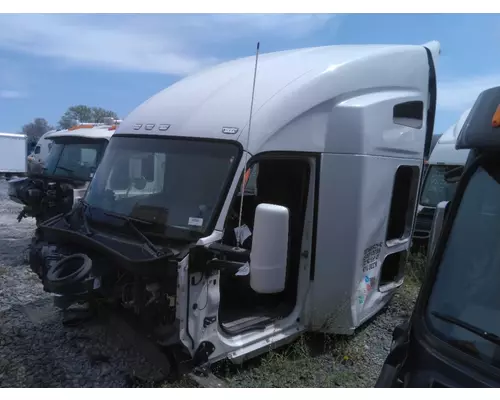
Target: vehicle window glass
{"points": [[466, 286], [146, 174], [37, 150], [181, 181], [74, 160], [436, 189]]}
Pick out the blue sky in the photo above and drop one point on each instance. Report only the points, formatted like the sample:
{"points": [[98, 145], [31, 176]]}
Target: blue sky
{"points": [[50, 62]]}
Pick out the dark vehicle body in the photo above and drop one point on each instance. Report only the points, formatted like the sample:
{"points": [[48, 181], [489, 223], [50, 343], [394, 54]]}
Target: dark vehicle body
{"points": [[453, 336]]}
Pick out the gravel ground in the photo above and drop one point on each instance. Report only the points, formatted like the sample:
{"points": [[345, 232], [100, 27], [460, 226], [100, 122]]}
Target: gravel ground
{"points": [[36, 350]]}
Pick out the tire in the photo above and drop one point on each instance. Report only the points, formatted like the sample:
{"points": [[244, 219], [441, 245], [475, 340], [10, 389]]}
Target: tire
{"points": [[54, 273]]}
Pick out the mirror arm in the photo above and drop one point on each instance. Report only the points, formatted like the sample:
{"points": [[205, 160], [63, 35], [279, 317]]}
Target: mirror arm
{"points": [[224, 265], [217, 256], [237, 254]]}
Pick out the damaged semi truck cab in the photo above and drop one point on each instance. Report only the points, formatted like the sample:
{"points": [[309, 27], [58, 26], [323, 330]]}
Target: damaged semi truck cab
{"points": [[444, 158], [56, 187], [453, 336], [329, 170]]}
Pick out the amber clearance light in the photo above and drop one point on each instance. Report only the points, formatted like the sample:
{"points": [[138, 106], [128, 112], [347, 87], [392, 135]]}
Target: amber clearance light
{"points": [[495, 122], [86, 126]]}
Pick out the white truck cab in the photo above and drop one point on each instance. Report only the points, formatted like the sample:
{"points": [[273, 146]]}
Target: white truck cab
{"points": [[57, 183], [435, 188], [77, 152], [334, 156], [40, 152]]}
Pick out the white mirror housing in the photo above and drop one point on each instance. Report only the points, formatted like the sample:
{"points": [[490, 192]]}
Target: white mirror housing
{"points": [[268, 258]]}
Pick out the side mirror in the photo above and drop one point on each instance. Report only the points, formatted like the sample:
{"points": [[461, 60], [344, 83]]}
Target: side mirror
{"points": [[268, 258], [437, 226]]}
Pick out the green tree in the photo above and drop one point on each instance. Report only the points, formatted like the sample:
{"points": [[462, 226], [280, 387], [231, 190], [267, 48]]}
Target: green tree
{"points": [[100, 113], [84, 113], [34, 130]]}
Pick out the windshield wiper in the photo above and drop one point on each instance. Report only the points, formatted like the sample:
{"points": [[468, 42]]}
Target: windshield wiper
{"points": [[65, 169], [153, 249], [490, 337]]}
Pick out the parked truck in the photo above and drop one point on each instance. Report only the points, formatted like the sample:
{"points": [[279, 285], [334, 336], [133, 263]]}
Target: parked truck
{"points": [[452, 338], [61, 178], [39, 153], [332, 141], [444, 157]]}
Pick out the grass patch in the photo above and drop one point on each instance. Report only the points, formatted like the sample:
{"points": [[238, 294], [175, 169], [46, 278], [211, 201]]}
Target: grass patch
{"points": [[314, 360], [416, 267], [317, 360]]}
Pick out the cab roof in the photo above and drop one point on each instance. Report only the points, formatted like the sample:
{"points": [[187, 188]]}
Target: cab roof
{"points": [[445, 152], [451, 134], [292, 85], [96, 132]]}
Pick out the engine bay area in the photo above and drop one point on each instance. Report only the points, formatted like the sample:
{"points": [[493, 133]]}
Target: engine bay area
{"points": [[98, 274]]}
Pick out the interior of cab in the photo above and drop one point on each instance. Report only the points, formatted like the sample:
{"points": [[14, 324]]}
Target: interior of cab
{"points": [[280, 181]]}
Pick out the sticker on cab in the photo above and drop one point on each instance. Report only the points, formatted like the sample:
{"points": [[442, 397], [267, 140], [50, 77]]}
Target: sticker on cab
{"points": [[195, 221]]}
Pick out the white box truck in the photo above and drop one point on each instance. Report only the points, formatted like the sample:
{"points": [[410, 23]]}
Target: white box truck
{"points": [[13, 152]]}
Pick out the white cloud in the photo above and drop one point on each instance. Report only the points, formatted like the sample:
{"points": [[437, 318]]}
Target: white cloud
{"points": [[459, 94], [11, 94], [169, 44]]}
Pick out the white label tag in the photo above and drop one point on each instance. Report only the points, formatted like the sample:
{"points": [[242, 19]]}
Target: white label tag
{"points": [[244, 270], [243, 233], [195, 221]]}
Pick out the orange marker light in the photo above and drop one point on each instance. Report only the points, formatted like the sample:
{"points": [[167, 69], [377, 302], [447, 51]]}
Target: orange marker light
{"points": [[495, 122], [245, 178], [86, 126]]}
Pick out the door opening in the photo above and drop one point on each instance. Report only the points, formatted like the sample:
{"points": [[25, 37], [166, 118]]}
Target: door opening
{"points": [[283, 182]]}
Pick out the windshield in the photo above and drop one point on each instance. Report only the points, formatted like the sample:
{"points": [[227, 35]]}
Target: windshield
{"points": [[436, 189], [176, 184], [74, 160], [466, 286]]}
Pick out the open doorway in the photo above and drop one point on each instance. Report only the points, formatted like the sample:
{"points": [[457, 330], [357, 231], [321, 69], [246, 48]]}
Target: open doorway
{"points": [[280, 181]]}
